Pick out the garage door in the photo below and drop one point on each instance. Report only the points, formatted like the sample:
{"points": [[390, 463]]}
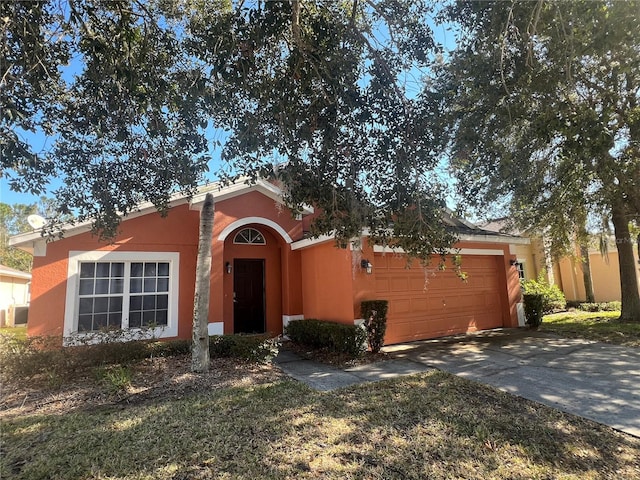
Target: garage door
{"points": [[426, 303]]}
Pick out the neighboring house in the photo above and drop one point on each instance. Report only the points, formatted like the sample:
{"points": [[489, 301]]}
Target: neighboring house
{"points": [[567, 271], [265, 273], [14, 295], [605, 274]]}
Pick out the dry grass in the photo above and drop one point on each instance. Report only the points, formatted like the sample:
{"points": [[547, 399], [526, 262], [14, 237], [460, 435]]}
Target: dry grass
{"points": [[248, 422], [598, 326]]}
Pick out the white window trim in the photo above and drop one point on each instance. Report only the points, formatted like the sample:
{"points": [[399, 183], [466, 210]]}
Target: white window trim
{"points": [[70, 330]]}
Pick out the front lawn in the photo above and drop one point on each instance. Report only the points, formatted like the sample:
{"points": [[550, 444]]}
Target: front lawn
{"points": [[20, 333], [598, 326], [255, 424]]}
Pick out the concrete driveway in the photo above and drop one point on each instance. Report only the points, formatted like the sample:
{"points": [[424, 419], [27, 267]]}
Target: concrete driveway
{"points": [[593, 380]]}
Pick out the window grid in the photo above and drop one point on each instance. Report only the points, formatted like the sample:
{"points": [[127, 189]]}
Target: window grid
{"points": [[149, 294], [249, 236], [103, 288], [520, 269]]}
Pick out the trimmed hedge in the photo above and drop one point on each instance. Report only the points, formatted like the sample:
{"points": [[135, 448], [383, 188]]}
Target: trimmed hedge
{"points": [[254, 348], [374, 313], [533, 309], [331, 336]]}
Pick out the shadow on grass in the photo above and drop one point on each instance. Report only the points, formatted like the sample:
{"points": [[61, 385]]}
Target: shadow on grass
{"points": [[426, 426]]}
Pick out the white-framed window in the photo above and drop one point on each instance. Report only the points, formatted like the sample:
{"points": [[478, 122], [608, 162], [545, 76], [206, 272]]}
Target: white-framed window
{"points": [[122, 290], [249, 236], [520, 269]]}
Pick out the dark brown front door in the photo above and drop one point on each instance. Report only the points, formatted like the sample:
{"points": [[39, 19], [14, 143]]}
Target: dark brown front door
{"points": [[248, 300]]}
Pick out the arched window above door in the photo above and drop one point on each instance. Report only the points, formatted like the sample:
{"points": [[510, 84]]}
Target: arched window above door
{"points": [[249, 236]]}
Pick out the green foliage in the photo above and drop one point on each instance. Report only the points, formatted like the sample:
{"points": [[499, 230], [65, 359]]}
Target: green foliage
{"points": [[539, 109], [599, 307], [334, 337], [533, 309], [374, 313], [116, 378], [320, 86], [13, 220], [253, 348], [553, 298]]}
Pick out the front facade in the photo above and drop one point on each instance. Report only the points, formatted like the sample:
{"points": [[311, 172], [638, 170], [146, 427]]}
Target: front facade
{"points": [[265, 273]]}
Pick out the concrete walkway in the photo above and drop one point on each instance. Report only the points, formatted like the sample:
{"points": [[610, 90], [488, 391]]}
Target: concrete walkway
{"points": [[593, 380], [325, 377]]}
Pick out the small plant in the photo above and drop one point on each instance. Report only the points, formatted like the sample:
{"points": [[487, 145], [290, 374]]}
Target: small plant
{"points": [[116, 378], [330, 336], [552, 296], [533, 309], [374, 313]]}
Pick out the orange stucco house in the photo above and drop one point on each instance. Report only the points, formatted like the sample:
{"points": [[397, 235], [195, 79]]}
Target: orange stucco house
{"points": [[265, 273]]}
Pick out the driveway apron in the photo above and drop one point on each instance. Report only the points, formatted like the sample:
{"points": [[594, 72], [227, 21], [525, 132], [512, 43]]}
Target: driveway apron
{"points": [[593, 380]]}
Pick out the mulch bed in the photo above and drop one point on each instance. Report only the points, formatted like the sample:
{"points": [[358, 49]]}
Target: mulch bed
{"points": [[161, 377]]}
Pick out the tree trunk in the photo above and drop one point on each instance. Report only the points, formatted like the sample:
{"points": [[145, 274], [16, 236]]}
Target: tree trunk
{"points": [[586, 267], [200, 346], [626, 261], [548, 259]]}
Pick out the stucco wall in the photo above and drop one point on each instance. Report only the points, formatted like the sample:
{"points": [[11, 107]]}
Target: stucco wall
{"points": [[178, 232], [605, 275]]}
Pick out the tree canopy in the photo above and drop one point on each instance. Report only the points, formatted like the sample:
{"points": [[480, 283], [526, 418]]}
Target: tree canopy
{"points": [[130, 91], [540, 101], [13, 220]]}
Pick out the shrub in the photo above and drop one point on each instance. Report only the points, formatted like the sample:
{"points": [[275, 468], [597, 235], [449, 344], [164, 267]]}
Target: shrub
{"points": [[600, 307], [331, 336], [573, 304], [533, 309], [254, 348], [374, 313], [552, 296], [26, 358]]}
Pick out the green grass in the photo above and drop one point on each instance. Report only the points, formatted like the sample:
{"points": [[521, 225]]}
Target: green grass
{"points": [[20, 333], [598, 326], [433, 425]]}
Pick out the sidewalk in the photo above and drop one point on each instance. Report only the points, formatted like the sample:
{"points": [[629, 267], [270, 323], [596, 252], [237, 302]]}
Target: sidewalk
{"points": [[325, 378]]}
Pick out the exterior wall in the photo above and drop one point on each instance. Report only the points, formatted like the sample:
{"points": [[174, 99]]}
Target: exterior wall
{"points": [[327, 283], [605, 275], [178, 232]]}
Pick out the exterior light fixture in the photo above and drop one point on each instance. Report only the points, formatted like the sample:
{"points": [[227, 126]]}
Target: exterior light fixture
{"points": [[228, 267], [513, 262], [366, 265]]}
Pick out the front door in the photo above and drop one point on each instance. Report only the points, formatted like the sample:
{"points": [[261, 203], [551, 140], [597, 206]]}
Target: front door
{"points": [[248, 296]]}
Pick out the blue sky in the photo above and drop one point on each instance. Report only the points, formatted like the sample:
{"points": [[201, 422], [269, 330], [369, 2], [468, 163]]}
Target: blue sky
{"points": [[443, 35]]}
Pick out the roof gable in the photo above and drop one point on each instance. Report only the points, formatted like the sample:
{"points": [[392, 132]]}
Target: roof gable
{"points": [[34, 243]]}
